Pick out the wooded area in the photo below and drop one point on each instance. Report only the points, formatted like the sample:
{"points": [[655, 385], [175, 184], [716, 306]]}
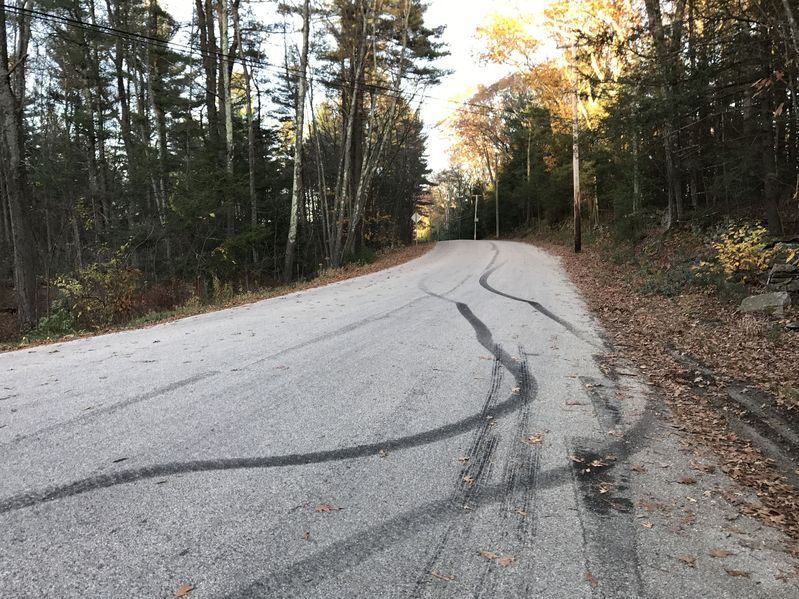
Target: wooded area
{"points": [[147, 161], [688, 114]]}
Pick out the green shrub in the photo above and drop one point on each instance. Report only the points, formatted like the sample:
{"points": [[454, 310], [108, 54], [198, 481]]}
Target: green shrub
{"points": [[60, 322], [100, 294], [669, 282], [632, 228]]}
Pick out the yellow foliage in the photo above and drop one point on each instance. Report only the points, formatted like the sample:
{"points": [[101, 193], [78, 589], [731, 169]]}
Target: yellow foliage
{"points": [[536, 44], [741, 249]]}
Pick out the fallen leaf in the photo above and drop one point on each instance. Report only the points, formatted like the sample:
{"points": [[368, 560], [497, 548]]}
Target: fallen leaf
{"points": [[184, 590], [687, 480], [534, 439], [591, 580], [720, 553], [488, 554], [307, 535], [738, 573], [469, 480], [382, 453], [688, 560], [646, 524], [605, 488], [521, 512], [702, 467], [506, 561], [324, 508], [443, 577], [516, 390]]}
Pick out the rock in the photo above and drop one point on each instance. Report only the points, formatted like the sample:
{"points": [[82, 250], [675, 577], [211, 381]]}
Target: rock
{"points": [[784, 277], [793, 326], [767, 302]]}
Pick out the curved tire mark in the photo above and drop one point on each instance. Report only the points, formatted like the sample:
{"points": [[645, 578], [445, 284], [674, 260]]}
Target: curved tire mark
{"points": [[536, 306], [353, 550], [105, 481]]}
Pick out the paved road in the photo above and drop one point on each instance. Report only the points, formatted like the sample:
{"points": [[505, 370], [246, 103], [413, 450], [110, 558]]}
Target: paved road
{"points": [[363, 440]]}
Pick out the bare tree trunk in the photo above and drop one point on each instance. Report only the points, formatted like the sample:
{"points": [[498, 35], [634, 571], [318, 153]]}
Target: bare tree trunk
{"points": [[299, 126], [343, 197], [208, 48], [665, 53], [381, 132], [120, 20], [320, 174], [154, 76], [636, 174], [794, 27], [496, 192], [13, 169], [226, 66], [5, 221], [250, 131], [529, 178]]}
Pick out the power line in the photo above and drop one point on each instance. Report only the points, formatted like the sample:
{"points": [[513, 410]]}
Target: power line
{"points": [[377, 88]]}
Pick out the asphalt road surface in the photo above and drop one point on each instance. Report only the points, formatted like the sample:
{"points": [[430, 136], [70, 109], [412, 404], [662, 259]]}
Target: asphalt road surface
{"points": [[441, 429]]}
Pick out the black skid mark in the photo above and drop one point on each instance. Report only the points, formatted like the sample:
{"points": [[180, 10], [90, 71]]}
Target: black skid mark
{"points": [[517, 504], [447, 431], [477, 466], [522, 467], [349, 552], [602, 484], [607, 516], [477, 463], [89, 416], [606, 408], [468, 495], [536, 306]]}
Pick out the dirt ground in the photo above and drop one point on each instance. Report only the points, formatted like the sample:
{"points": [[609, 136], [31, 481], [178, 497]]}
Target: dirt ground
{"points": [[697, 351]]}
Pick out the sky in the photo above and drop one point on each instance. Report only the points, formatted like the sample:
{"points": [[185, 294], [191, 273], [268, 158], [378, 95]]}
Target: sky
{"points": [[461, 17]]}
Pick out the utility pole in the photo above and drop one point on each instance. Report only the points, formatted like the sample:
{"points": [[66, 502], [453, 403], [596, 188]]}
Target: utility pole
{"points": [[496, 189], [578, 242], [475, 215]]}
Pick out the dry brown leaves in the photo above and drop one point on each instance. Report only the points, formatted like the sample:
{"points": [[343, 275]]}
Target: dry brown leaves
{"points": [[738, 573], [493, 556], [652, 331], [184, 590], [534, 439]]}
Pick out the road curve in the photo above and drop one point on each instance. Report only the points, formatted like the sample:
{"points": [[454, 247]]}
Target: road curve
{"points": [[440, 429]]}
